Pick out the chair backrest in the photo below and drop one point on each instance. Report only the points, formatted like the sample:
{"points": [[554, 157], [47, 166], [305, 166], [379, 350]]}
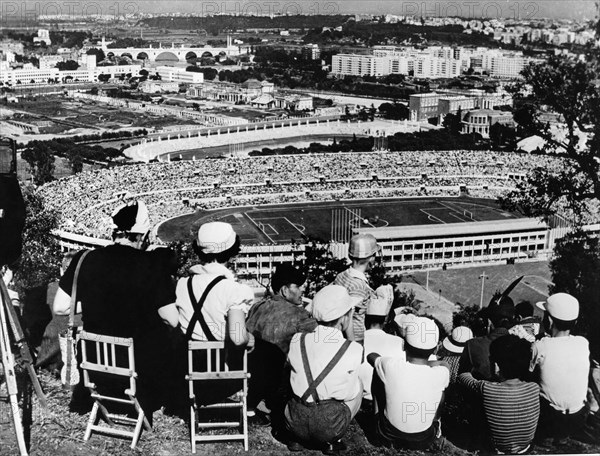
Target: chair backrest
{"points": [[107, 355], [212, 361]]}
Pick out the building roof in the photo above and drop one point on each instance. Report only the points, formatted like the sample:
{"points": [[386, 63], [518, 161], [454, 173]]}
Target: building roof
{"points": [[453, 229], [263, 99]]}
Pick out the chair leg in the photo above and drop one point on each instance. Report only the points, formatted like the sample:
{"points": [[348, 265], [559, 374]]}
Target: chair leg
{"points": [[193, 427], [91, 421], [245, 414], [138, 428]]}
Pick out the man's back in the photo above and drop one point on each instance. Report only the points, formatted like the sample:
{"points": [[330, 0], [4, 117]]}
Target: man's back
{"points": [[476, 355], [322, 344], [378, 341], [563, 370], [413, 392], [121, 290], [277, 320]]}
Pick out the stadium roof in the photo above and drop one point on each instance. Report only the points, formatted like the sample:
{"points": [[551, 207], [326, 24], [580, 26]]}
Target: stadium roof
{"points": [[454, 229]]}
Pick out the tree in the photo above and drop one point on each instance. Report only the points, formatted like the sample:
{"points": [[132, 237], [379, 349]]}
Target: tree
{"points": [[41, 162], [566, 87], [99, 53], [576, 270], [69, 65], [40, 259], [452, 122], [319, 265]]}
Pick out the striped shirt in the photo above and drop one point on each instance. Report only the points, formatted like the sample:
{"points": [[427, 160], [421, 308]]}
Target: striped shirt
{"points": [[358, 287], [512, 409]]}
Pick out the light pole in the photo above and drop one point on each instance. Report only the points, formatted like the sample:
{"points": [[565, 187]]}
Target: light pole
{"points": [[482, 277]]}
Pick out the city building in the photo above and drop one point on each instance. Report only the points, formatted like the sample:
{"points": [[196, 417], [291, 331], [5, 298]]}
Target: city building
{"points": [[480, 121], [158, 87], [43, 35], [426, 246], [53, 75], [179, 75], [311, 52]]}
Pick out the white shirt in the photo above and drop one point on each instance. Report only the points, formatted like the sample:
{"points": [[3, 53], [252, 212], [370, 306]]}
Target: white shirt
{"points": [[413, 392], [564, 366], [322, 344], [384, 344], [227, 294]]}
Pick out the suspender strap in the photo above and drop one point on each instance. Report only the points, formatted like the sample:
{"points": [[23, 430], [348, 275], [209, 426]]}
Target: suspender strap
{"points": [[313, 384], [198, 317]]}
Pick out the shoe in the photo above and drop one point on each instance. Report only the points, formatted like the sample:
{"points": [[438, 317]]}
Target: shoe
{"points": [[294, 446]]}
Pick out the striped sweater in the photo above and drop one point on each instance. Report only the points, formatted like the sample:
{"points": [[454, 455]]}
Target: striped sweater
{"points": [[358, 287], [512, 409]]}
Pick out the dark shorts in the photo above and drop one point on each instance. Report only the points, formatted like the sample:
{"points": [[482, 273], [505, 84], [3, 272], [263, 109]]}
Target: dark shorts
{"points": [[317, 424], [414, 441]]}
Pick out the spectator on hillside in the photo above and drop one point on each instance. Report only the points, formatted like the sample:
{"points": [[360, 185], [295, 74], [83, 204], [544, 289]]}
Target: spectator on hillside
{"points": [[362, 251], [123, 289], [273, 322], [324, 376], [408, 391], [476, 355], [561, 362], [377, 341], [222, 317], [511, 405], [453, 347], [527, 326]]}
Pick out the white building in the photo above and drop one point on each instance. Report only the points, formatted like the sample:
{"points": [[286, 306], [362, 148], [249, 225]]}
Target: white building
{"points": [[41, 76], [173, 74], [158, 87], [43, 35]]}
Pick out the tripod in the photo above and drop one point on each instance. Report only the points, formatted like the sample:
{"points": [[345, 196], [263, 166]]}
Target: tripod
{"points": [[10, 320]]}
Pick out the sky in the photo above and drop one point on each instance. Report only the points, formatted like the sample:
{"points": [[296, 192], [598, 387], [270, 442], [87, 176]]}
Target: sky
{"points": [[523, 9]]}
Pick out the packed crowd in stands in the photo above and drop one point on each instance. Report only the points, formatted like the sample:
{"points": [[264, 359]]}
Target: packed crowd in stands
{"points": [[84, 200]]}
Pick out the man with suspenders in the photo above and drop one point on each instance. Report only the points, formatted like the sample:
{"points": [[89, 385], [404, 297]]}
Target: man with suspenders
{"points": [[324, 376]]}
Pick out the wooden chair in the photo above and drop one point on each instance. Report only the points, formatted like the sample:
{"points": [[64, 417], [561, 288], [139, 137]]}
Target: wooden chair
{"points": [[112, 358], [213, 356]]}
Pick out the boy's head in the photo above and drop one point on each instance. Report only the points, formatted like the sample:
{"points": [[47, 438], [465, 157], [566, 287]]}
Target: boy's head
{"points": [[512, 355]]}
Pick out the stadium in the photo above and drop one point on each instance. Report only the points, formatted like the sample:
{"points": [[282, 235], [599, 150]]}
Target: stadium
{"points": [[427, 208]]}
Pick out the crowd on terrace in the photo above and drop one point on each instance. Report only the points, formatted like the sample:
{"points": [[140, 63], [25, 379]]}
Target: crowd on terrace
{"points": [[85, 200]]}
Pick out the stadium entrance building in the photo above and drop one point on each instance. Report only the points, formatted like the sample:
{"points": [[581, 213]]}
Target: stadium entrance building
{"points": [[430, 246]]}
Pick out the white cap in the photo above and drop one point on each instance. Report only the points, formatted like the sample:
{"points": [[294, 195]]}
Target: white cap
{"points": [[383, 303], [561, 306], [404, 320], [131, 217], [456, 341], [330, 303], [422, 333], [216, 237]]}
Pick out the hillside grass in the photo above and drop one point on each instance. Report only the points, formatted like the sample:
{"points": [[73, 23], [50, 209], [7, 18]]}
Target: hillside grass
{"points": [[60, 432]]}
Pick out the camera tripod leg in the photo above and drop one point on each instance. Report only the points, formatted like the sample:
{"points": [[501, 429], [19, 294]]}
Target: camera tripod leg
{"points": [[23, 346], [8, 363]]}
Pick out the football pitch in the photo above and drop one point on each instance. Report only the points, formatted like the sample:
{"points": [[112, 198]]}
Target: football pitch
{"points": [[280, 224]]}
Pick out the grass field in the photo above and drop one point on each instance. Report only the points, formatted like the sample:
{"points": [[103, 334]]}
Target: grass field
{"points": [[280, 223], [463, 285]]}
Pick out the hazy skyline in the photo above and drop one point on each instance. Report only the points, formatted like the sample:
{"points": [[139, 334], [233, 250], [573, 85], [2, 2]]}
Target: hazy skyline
{"points": [[523, 9]]}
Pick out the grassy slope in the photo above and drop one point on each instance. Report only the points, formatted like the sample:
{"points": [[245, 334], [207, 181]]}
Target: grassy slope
{"points": [[60, 433]]}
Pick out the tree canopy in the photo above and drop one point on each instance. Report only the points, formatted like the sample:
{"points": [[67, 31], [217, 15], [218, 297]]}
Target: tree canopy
{"points": [[566, 90]]}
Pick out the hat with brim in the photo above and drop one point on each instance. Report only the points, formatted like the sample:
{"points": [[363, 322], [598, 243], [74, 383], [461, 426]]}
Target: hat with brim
{"points": [[561, 306], [458, 338], [330, 303], [215, 237], [422, 333], [131, 218]]}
